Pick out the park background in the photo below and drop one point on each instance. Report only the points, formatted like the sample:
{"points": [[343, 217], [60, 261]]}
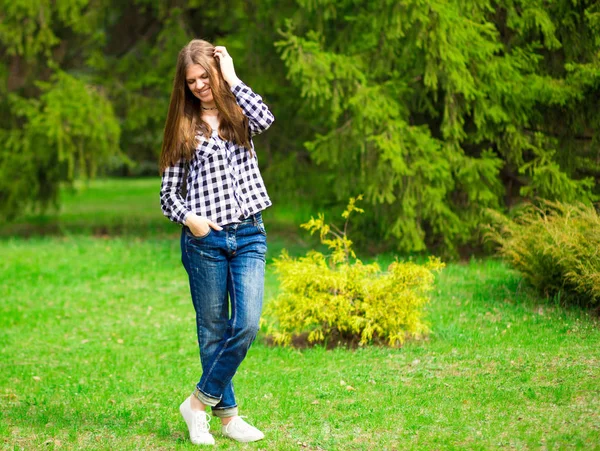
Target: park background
{"points": [[446, 115]]}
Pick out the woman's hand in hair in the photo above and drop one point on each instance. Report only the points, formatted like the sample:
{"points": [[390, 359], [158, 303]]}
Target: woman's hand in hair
{"points": [[199, 225], [226, 63]]}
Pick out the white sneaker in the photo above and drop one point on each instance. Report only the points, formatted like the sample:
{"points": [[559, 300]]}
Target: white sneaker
{"points": [[241, 431], [197, 423]]}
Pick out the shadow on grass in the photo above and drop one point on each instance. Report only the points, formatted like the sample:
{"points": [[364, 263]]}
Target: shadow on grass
{"points": [[280, 234], [55, 227]]}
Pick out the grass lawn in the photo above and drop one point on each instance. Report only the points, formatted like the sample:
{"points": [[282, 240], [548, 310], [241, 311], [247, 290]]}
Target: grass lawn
{"points": [[98, 348]]}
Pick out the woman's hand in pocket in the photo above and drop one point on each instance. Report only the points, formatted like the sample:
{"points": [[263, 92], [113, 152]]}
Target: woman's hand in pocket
{"points": [[199, 225]]}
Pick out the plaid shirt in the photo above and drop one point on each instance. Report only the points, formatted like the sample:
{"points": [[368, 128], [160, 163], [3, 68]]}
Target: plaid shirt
{"points": [[223, 182]]}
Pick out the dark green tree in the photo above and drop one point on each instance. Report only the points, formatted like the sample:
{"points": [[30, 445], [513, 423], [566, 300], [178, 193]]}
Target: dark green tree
{"points": [[55, 122], [436, 110]]}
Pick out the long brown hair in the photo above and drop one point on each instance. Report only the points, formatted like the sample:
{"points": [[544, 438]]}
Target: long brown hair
{"points": [[184, 120]]}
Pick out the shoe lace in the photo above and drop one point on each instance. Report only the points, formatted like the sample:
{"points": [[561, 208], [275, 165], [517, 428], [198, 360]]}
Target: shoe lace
{"points": [[202, 420]]}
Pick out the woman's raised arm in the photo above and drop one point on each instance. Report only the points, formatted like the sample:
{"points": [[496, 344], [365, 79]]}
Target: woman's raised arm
{"points": [[259, 116]]}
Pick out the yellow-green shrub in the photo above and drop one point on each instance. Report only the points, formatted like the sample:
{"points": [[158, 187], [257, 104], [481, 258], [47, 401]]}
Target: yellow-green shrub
{"points": [[330, 297], [556, 247]]}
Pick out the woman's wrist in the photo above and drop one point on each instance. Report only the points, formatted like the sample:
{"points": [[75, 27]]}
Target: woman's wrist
{"points": [[233, 82], [190, 218]]}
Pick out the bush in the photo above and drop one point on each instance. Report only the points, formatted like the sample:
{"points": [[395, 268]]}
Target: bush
{"points": [[555, 246], [329, 298]]}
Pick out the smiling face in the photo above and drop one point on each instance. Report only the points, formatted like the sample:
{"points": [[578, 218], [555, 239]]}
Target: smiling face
{"points": [[198, 82]]}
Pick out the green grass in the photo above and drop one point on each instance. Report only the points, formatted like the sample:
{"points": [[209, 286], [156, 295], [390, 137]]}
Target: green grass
{"points": [[98, 348]]}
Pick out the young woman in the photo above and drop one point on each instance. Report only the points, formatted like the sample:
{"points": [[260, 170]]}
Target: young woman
{"points": [[211, 184]]}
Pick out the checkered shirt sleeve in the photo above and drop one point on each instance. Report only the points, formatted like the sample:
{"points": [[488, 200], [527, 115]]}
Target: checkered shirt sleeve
{"points": [[259, 116], [224, 183], [172, 203]]}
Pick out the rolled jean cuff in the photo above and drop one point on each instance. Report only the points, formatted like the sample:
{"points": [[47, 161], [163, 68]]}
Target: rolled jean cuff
{"points": [[206, 399], [227, 412]]}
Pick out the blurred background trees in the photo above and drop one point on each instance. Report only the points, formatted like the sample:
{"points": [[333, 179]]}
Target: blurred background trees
{"points": [[434, 110]]}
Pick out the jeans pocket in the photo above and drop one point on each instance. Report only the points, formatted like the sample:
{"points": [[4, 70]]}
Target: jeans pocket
{"points": [[261, 228], [189, 233]]}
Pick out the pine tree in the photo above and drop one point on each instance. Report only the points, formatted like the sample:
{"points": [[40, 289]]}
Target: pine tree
{"points": [[55, 122], [436, 110]]}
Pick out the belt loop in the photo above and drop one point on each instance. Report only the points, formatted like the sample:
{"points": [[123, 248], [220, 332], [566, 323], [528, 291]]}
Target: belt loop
{"points": [[254, 220]]}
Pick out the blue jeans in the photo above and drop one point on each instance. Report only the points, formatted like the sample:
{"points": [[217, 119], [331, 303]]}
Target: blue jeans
{"points": [[229, 263]]}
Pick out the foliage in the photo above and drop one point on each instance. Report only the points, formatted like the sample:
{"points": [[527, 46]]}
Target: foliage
{"points": [[349, 301], [437, 110], [71, 125], [555, 247], [56, 123]]}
